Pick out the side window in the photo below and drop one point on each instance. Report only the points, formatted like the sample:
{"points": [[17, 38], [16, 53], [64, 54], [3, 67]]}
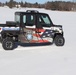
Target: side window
{"points": [[30, 20], [44, 20], [24, 19], [17, 18]]}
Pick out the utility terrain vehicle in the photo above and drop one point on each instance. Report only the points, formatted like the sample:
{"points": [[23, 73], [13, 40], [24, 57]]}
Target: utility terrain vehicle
{"points": [[30, 27]]}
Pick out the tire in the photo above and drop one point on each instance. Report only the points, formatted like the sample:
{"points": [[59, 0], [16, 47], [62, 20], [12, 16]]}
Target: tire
{"points": [[8, 44], [0, 40], [59, 40]]}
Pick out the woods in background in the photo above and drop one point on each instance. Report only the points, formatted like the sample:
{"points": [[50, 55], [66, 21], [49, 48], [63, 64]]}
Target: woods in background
{"points": [[53, 5]]}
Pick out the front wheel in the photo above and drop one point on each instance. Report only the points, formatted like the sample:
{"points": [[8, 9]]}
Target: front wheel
{"points": [[59, 40], [8, 44]]}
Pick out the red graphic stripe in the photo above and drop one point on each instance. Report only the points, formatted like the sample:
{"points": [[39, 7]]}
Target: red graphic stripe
{"points": [[37, 35]]}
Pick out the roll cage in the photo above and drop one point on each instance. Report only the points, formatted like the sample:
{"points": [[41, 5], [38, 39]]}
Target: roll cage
{"points": [[30, 18]]}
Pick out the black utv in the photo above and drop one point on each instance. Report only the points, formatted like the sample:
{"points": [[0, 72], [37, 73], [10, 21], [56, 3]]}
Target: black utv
{"points": [[30, 27]]}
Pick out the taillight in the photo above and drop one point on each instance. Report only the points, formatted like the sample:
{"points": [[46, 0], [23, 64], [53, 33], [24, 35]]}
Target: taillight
{"points": [[0, 28]]}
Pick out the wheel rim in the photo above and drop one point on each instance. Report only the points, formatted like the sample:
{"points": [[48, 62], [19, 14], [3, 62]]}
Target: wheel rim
{"points": [[60, 41], [9, 44]]}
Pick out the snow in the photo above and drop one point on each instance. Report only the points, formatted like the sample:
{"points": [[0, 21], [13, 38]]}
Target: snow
{"points": [[41, 60]]}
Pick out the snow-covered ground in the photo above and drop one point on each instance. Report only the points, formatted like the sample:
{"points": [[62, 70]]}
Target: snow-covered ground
{"points": [[41, 60]]}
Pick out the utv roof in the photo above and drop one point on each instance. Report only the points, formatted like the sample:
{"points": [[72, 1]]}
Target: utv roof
{"points": [[30, 12]]}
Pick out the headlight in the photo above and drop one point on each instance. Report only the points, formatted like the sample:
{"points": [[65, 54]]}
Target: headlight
{"points": [[60, 28]]}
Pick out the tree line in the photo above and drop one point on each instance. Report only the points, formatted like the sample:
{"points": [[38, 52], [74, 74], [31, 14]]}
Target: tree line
{"points": [[52, 5]]}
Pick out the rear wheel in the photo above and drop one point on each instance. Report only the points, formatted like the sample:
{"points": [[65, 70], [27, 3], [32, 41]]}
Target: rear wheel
{"points": [[8, 44], [59, 40]]}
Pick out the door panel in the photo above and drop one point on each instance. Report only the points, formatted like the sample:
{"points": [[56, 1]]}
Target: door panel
{"points": [[33, 30], [44, 28]]}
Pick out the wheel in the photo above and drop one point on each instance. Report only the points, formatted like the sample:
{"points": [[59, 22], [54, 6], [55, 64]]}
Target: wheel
{"points": [[0, 40], [59, 40], [8, 44]]}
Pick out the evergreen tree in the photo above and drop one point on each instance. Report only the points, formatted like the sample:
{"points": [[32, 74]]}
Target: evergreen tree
{"points": [[11, 3]]}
